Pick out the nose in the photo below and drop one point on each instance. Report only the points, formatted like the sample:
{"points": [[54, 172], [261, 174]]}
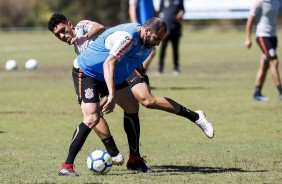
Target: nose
{"points": [[62, 35]]}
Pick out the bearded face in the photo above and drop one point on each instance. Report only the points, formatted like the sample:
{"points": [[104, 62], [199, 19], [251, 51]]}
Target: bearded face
{"points": [[147, 42], [153, 39]]}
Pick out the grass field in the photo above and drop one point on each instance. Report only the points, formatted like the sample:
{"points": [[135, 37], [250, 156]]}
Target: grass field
{"points": [[39, 112]]}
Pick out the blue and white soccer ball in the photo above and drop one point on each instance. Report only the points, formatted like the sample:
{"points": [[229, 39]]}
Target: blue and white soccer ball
{"points": [[99, 162]]}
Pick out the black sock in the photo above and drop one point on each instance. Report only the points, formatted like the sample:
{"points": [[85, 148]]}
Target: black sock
{"points": [[258, 91], [187, 113], [78, 139], [111, 146], [279, 87], [132, 128]]}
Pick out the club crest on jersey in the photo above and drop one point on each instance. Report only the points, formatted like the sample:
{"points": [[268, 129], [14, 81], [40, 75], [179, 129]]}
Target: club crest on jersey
{"points": [[89, 93]]}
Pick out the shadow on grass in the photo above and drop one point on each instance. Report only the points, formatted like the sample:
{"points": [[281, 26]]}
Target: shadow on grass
{"points": [[196, 169], [12, 112], [177, 88]]}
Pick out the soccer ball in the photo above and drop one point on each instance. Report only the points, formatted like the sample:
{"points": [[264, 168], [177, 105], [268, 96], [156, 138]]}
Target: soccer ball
{"points": [[11, 65], [99, 162], [31, 64]]}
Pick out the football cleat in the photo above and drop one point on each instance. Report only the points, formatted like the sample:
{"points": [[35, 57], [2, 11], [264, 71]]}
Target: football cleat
{"points": [[118, 160], [203, 123], [175, 72], [67, 170], [260, 98], [137, 164], [280, 97]]}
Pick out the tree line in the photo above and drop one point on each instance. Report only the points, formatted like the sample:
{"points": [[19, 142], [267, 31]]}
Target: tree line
{"points": [[36, 13]]}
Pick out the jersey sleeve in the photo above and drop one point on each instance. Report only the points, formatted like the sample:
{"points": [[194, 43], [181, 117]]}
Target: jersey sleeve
{"points": [[256, 8], [119, 43], [132, 2]]}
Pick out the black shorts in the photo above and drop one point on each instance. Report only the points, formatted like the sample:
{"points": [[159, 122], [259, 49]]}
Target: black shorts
{"points": [[138, 76], [268, 46], [88, 89]]}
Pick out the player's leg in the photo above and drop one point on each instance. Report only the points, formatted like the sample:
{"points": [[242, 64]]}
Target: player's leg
{"points": [[175, 46], [103, 131], [131, 118], [91, 116], [162, 54], [260, 78], [129, 104], [142, 93], [273, 65], [264, 44]]}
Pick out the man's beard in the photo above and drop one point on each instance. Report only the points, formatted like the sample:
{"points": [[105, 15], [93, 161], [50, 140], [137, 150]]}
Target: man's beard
{"points": [[147, 42]]}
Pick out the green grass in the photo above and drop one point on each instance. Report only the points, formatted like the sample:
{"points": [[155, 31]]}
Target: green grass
{"points": [[39, 112]]}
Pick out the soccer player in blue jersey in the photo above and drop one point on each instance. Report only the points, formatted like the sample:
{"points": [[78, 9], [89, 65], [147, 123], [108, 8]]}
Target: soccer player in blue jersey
{"points": [[102, 70], [139, 86], [265, 12]]}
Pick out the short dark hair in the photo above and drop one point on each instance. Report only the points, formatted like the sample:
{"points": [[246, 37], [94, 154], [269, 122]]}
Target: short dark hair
{"points": [[56, 19], [155, 24]]}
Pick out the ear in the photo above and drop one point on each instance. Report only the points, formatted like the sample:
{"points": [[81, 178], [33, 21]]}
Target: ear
{"points": [[70, 24], [147, 30]]}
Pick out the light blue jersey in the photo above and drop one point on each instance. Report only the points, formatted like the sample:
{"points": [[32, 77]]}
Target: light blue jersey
{"points": [[123, 42]]}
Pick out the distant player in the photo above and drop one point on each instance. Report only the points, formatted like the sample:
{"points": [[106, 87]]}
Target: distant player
{"points": [[265, 13], [139, 12]]}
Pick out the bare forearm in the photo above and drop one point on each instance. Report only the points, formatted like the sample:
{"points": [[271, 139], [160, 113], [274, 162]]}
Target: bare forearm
{"points": [[96, 30], [132, 13], [249, 27], [109, 73], [248, 40]]}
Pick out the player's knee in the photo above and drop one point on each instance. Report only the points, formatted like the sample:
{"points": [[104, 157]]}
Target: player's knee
{"points": [[148, 103], [91, 120]]}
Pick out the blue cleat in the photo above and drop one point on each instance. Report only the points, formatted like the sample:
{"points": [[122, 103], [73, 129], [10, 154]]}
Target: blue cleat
{"points": [[261, 98], [280, 97]]}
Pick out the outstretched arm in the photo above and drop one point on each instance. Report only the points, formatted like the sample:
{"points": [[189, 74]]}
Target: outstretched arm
{"points": [[95, 30]]}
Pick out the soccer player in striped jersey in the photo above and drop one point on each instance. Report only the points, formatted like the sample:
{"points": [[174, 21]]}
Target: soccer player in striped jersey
{"points": [[80, 36], [265, 13]]}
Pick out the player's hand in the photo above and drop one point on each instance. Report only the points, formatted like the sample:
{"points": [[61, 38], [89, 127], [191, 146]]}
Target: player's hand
{"points": [[109, 106], [248, 43], [79, 40], [178, 18]]}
